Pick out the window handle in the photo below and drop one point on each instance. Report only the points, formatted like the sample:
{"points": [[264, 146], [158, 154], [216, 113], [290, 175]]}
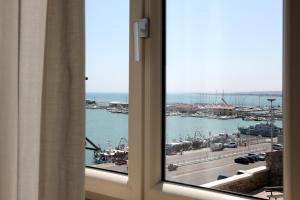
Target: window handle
{"points": [[140, 30]]}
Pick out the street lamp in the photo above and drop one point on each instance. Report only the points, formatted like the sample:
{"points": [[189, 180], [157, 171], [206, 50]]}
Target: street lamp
{"points": [[272, 125]]}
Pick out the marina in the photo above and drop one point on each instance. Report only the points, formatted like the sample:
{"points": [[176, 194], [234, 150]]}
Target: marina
{"points": [[218, 110], [205, 142], [202, 126]]}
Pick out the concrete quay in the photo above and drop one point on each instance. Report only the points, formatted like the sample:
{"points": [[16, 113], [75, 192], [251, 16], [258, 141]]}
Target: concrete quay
{"points": [[203, 166]]}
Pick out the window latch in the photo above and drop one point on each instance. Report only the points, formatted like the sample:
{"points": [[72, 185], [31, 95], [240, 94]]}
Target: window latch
{"points": [[140, 30]]}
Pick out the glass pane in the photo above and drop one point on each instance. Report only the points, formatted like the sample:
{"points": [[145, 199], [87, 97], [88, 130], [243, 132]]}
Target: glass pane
{"points": [[107, 68], [223, 112]]}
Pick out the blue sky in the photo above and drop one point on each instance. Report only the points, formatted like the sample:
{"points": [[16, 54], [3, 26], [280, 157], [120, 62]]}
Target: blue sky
{"points": [[230, 45], [107, 45]]}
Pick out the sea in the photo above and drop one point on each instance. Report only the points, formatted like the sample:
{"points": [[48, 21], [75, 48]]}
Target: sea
{"points": [[106, 129]]}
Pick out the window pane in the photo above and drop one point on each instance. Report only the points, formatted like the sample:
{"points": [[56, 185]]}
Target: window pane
{"points": [[107, 68], [224, 95]]}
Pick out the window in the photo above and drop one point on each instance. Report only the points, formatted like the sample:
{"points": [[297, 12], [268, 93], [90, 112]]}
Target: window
{"points": [[107, 60], [223, 99], [145, 124], [111, 68]]}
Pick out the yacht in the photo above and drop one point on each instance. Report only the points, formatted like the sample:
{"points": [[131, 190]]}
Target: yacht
{"points": [[263, 129]]}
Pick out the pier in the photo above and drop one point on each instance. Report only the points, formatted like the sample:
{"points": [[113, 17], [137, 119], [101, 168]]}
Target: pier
{"points": [[213, 111]]}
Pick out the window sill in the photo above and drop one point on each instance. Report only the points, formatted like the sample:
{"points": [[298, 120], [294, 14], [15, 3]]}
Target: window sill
{"points": [[107, 183], [168, 191]]}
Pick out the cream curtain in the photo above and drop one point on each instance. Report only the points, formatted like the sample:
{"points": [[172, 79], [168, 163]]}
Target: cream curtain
{"points": [[42, 99]]}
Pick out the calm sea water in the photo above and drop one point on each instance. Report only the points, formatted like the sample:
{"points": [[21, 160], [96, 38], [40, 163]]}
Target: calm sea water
{"points": [[106, 129]]}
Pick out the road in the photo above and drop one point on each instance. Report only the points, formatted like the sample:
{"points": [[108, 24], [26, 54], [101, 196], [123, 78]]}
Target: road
{"points": [[201, 173], [203, 166]]}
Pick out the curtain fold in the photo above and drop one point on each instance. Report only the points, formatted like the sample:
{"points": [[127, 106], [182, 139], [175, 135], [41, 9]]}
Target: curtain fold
{"points": [[8, 98], [63, 132], [45, 127]]}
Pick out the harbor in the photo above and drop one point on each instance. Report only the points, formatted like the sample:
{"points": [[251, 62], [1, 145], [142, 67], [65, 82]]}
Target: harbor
{"points": [[222, 111], [203, 166], [189, 150], [212, 126], [204, 141]]}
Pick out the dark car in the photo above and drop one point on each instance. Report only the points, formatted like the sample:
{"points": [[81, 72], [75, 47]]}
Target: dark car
{"points": [[254, 156], [242, 160], [172, 167], [250, 158], [262, 156]]}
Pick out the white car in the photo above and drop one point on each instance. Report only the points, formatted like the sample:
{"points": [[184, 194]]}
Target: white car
{"points": [[277, 147], [232, 145]]}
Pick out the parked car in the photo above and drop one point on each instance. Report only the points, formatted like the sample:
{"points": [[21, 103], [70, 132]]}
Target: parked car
{"points": [[254, 156], [250, 158], [262, 156], [172, 167], [277, 147], [232, 145], [242, 160]]}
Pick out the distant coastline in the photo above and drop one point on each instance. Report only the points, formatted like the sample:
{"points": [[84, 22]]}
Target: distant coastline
{"points": [[262, 93], [254, 93], [258, 98]]}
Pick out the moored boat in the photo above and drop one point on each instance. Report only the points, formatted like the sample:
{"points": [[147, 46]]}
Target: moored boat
{"points": [[261, 129]]}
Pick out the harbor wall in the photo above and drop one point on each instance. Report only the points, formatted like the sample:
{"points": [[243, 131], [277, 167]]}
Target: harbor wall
{"points": [[274, 161], [251, 180]]}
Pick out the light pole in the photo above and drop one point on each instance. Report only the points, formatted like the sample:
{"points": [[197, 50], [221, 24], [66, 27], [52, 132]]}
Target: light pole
{"points": [[248, 140], [272, 125]]}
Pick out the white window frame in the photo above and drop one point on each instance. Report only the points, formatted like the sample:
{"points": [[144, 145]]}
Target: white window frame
{"points": [[144, 179], [118, 185]]}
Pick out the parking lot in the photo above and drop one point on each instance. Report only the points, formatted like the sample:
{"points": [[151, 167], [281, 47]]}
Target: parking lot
{"points": [[203, 166]]}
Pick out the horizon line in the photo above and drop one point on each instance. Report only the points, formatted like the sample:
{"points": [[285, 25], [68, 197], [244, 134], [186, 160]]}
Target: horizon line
{"points": [[204, 92]]}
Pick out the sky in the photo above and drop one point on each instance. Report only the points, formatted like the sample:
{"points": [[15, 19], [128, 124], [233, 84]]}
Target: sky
{"points": [[212, 45]]}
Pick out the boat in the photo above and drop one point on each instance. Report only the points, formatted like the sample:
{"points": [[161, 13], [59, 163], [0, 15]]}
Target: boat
{"points": [[111, 155], [225, 117], [261, 129]]}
